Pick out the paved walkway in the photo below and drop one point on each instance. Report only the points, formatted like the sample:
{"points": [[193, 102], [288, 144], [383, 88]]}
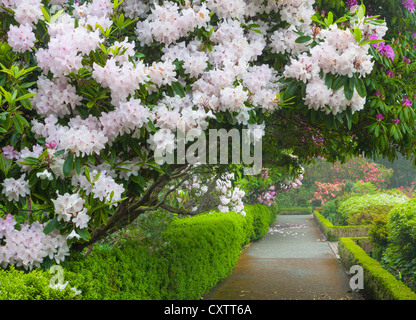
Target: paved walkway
{"points": [[292, 262]]}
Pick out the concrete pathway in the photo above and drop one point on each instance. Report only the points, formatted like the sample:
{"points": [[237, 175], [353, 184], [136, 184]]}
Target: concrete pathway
{"points": [[292, 262]]}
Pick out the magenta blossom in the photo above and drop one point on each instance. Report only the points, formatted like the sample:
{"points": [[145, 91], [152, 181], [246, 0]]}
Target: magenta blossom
{"points": [[351, 3], [396, 121], [388, 51], [382, 47], [407, 102], [409, 5], [379, 117], [390, 73]]}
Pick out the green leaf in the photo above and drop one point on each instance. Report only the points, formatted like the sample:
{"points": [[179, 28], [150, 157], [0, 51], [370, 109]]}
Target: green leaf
{"points": [[328, 80], [330, 19], [151, 126], [104, 216], [25, 96], [22, 120], [290, 90], [45, 14], [2, 163], [348, 93], [18, 125], [87, 173], [41, 197], [303, 39], [342, 19], [51, 226], [68, 164], [361, 12], [179, 90], [314, 18], [348, 116], [338, 83], [33, 179], [360, 86], [57, 15], [357, 34], [78, 165], [83, 233]]}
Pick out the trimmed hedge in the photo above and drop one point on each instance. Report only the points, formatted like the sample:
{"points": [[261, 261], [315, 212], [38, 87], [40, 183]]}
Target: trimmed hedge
{"points": [[379, 284], [259, 218], [333, 233], [197, 253], [295, 210]]}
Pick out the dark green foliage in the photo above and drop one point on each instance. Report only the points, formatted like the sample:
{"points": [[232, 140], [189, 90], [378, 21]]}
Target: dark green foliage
{"points": [[379, 235], [329, 210], [402, 229]]}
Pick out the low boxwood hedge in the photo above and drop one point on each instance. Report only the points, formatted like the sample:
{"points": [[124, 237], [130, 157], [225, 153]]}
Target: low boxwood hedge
{"points": [[333, 233], [379, 284], [196, 253], [295, 210]]}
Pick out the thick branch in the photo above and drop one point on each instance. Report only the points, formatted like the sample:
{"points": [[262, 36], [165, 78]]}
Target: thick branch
{"points": [[128, 210]]}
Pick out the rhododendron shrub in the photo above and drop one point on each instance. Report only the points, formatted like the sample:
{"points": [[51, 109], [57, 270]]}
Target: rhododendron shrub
{"points": [[356, 169], [383, 126], [115, 83], [327, 191]]}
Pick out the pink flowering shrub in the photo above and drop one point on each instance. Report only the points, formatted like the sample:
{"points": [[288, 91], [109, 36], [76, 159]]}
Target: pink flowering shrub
{"points": [[357, 169], [327, 191]]}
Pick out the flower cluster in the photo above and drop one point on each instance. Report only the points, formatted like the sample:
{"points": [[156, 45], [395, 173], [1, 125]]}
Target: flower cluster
{"points": [[167, 23], [55, 97], [29, 246], [21, 38], [70, 208], [10, 153], [13, 189], [327, 191], [410, 5], [267, 198], [287, 184], [337, 53], [231, 198]]}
